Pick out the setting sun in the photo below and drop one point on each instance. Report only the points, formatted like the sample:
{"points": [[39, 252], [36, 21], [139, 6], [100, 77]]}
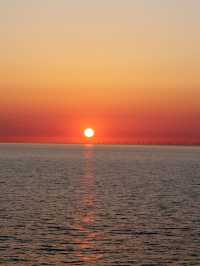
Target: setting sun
{"points": [[89, 133]]}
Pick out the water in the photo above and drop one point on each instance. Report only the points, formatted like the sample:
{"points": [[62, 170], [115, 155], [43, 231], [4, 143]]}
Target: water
{"points": [[99, 205]]}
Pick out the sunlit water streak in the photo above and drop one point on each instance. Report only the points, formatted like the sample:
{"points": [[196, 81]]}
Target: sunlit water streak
{"points": [[99, 205]]}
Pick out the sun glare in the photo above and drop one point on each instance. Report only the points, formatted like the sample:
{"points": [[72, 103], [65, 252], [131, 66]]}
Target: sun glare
{"points": [[89, 133]]}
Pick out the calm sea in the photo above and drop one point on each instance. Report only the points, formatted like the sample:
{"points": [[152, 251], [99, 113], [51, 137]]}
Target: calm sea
{"points": [[99, 205]]}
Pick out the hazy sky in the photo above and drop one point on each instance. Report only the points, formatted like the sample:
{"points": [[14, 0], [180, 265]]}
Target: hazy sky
{"points": [[130, 69]]}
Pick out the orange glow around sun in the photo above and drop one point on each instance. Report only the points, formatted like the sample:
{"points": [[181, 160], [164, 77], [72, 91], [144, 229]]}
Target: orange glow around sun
{"points": [[89, 133]]}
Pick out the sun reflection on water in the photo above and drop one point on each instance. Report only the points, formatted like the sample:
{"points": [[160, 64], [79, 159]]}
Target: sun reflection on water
{"points": [[89, 235]]}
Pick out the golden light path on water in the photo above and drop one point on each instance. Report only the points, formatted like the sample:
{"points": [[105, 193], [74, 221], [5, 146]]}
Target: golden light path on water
{"points": [[86, 222]]}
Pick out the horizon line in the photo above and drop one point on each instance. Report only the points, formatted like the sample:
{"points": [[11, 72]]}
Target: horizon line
{"points": [[102, 143]]}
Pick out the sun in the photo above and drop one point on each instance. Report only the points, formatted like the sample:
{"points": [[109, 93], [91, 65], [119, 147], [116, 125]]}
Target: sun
{"points": [[89, 132]]}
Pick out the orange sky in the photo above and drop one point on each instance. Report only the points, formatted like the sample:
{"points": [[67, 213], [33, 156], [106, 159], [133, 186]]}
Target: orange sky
{"points": [[129, 70]]}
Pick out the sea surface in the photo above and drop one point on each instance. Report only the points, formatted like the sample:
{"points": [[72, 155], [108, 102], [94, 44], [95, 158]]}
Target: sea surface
{"points": [[99, 205]]}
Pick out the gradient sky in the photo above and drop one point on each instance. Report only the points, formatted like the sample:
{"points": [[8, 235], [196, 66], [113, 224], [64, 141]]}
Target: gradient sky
{"points": [[130, 69]]}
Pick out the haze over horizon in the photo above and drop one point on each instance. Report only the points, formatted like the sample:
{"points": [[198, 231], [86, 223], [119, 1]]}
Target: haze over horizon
{"points": [[128, 69]]}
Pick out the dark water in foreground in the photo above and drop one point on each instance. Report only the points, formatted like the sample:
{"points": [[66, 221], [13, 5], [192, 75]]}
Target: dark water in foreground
{"points": [[99, 205]]}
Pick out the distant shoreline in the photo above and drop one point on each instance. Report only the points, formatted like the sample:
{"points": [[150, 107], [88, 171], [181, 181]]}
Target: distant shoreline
{"points": [[106, 144]]}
